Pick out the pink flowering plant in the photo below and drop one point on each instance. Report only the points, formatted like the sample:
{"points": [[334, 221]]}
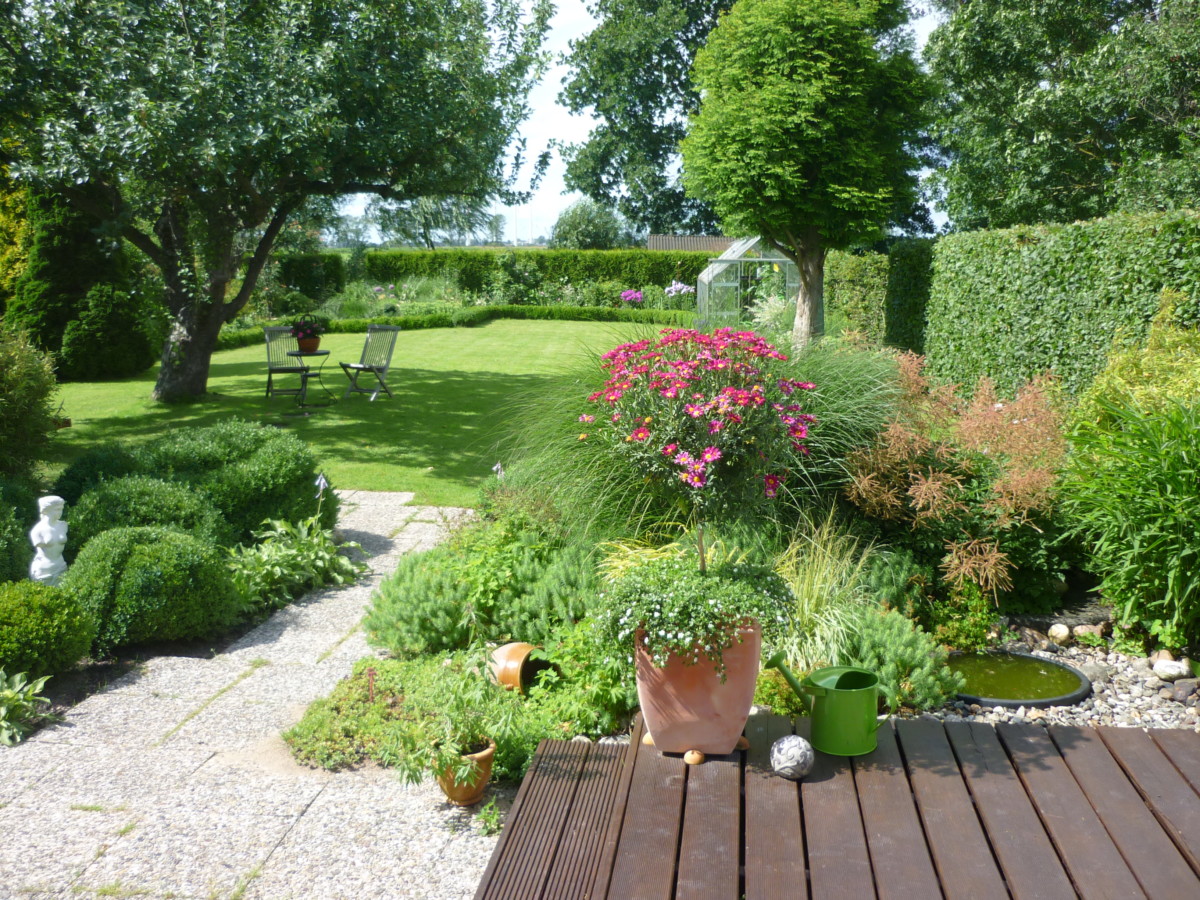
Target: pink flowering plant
{"points": [[702, 417]]}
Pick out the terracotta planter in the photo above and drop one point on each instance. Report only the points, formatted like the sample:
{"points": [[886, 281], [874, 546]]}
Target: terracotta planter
{"points": [[470, 792], [687, 707], [309, 345], [511, 666]]}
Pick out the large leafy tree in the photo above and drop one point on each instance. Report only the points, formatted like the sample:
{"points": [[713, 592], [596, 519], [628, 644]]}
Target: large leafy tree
{"points": [[634, 72], [198, 125], [1057, 110], [425, 221], [588, 225], [807, 130]]}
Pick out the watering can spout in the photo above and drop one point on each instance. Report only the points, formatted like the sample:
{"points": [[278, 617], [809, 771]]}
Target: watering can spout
{"points": [[776, 662]]}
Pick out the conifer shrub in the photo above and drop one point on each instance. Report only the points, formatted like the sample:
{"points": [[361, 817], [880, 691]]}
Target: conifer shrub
{"points": [[15, 550], [43, 630], [108, 337], [498, 580], [911, 666], [142, 500], [151, 583]]}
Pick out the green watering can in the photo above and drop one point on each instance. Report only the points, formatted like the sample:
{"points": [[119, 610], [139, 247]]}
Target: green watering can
{"points": [[843, 702]]}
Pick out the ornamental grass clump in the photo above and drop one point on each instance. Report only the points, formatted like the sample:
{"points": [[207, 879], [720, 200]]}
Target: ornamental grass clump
{"points": [[702, 419]]}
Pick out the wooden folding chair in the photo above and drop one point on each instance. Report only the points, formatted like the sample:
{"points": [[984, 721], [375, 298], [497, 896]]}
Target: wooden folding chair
{"points": [[279, 342], [376, 359]]}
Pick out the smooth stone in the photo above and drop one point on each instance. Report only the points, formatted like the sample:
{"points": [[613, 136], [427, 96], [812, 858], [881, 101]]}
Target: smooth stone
{"points": [[1160, 655], [1169, 670], [1094, 630], [1184, 688], [1059, 633]]}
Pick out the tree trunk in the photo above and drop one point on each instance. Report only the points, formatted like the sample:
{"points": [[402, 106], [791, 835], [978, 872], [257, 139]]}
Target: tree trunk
{"points": [[810, 300], [187, 354]]}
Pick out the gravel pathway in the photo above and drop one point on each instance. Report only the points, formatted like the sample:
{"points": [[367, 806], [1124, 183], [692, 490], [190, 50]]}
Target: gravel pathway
{"points": [[173, 782]]}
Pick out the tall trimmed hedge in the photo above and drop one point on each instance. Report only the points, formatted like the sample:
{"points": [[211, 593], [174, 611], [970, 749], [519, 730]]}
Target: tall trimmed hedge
{"points": [[909, 278], [856, 286], [316, 275], [472, 268], [1013, 303]]}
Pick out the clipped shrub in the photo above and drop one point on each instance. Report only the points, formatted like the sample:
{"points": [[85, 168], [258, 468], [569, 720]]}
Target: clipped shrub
{"points": [[94, 467], [251, 473], [107, 338], [142, 500], [911, 666], [1132, 492], [909, 277], [1166, 368], [152, 584], [20, 494], [316, 275], [1013, 303], [27, 389], [43, 630]]}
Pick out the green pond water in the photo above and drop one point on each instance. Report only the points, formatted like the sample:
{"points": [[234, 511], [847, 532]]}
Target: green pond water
{"points": [[1002, 676]]}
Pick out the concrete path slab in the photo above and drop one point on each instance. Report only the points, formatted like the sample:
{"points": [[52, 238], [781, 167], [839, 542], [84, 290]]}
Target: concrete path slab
{"points": [[174, 781]]}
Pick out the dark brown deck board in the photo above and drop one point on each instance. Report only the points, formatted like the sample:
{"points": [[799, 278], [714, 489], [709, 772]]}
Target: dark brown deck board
{"points": [[1088, 853], [1026, 856], [899, 855], [838, 862], [579, 849], [774, 839], [532, 850], [1147, 850], [645, 863], [1167, 793], [961, 854], [709, 849], [1183, 749], [612, 833], [487, 887]]}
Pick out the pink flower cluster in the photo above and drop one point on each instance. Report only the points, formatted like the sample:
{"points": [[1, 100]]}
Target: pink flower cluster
{"points": [[631, 296], [689, 386]]}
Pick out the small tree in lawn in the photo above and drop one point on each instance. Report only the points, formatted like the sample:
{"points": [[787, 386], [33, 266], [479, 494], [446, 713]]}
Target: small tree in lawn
{"points": [[805, 133], [194, 130]]}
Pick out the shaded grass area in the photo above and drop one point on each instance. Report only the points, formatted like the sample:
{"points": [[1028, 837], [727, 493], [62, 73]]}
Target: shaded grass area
{"points": [[453, 391]]}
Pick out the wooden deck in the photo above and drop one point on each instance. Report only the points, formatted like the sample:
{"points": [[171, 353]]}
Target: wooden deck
{"points": [[955, 810]]}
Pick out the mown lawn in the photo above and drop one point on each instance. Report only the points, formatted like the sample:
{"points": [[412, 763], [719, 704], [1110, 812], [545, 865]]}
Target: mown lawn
{"points": [[453, 388]]}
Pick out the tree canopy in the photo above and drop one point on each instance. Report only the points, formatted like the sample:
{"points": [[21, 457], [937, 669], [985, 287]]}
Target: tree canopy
{"points": [[193, 127], [588, 225], [634, 71], [806, 132], [1058, 110]]}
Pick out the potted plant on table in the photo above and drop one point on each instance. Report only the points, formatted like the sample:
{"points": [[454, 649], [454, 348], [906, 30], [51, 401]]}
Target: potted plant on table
{"points": [[307, 331], [705, 422]]}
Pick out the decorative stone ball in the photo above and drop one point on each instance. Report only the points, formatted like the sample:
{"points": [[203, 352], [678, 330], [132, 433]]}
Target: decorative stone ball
{"points": [[792, 757]]}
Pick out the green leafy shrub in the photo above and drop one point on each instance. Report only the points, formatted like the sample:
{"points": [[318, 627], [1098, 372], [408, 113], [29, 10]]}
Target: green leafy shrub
{"points": [[142, 500], [911, 667], [152, 584], [493, 580], [771, 689], [286, 560], [1057, 294], [20, 706], [27, 389], [856, 287], [43, 629], [108, 337], [1132, 492], [909, 277]]}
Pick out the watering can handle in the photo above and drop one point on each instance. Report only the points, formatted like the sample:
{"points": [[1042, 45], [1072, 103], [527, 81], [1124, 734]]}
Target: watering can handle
{"points": [[891, 709]]}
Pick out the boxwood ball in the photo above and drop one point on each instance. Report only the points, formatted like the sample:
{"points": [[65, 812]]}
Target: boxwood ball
{"points": [[792, 757]]}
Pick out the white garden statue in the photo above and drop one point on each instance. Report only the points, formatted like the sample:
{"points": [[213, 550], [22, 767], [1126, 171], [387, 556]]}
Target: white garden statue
{"points": [[49, 537]]}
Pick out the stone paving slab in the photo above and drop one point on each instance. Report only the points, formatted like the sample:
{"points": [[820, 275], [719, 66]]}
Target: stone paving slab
{"points": [[174, 781]]}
